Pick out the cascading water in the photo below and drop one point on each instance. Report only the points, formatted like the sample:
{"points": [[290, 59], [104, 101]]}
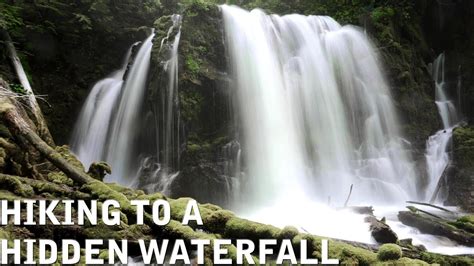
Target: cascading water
{"points": [[105, 129], [120, 148], [437, 156], [316, 112], [90, 133], [317, 117], [165, 161], [110, 127]]}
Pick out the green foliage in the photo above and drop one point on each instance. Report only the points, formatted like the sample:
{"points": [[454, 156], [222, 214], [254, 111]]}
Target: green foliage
{"points": [[17, 88], [190, 104], [382, 14], [463, 139], [84, 21], [192, 65], [10, 17]]}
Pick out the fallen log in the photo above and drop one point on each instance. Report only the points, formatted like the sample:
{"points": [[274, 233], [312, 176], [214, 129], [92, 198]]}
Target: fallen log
{"points": [[433, 226], [429, 205], [19, 128], [381, 231]]}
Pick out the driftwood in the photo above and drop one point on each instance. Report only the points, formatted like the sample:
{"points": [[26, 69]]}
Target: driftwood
{"points": [[380, 231], [31, 99], [429, 205], [348, 196], [434, 226]]}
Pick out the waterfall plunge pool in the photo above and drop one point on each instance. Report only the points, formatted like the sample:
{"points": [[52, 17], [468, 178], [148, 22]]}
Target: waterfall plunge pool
{"points": [[322, 220]]}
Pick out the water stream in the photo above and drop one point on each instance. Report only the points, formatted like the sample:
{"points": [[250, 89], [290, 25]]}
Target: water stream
{"points": [[437, 146]]}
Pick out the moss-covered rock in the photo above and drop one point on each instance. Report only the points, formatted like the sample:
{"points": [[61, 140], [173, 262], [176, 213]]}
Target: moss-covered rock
{"points": [[14, 185], [98, 170], [389, 252], [288, 232]]}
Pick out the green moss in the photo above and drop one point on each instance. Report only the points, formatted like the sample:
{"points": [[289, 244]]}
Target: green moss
{"points": [[463, 140], [288, 232], [465, 223], [103, 192], [241, 228], [192, 65], [348, 253], [178, 207], [128, 192], [152, 197], [98, 170], [402, 262], [14, 185], [7, 195], [190, 104], [70, 158], [60, 178], [384, 14], [177, 230], [389, 252], [446, 260], [215, 221], [467, 219]]}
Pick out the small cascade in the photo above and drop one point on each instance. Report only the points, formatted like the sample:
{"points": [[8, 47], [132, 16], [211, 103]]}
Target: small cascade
{"points": [[160, 168], [171, 102], [437, 146], [90, 133], [105, 129], [137, 135], [120, 150]]}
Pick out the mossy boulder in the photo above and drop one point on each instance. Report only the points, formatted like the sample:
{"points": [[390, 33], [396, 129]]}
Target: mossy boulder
{"points": [[288, 232], [389, 252]]}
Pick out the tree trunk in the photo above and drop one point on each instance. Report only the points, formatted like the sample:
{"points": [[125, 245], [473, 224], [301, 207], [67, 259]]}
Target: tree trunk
{"points": [[20, 128], [31, 99]]}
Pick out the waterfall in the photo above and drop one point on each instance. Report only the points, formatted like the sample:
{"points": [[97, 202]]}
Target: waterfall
{"points": [[162, 167], [315, 110], [134, 130], [90, 133], [437, 146], [106, 126]]}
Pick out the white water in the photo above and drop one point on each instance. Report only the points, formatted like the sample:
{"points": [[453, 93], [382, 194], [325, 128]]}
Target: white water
{"points": [[316, 117], [90, 133], [125, 120], [437, 146], [164, 162], [136, 135], [105, 130], [316, 111]]}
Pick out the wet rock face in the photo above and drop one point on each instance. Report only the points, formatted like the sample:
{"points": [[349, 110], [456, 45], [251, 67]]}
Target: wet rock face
{"points": [[461, 182], [447, 27], [205, 117]]}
